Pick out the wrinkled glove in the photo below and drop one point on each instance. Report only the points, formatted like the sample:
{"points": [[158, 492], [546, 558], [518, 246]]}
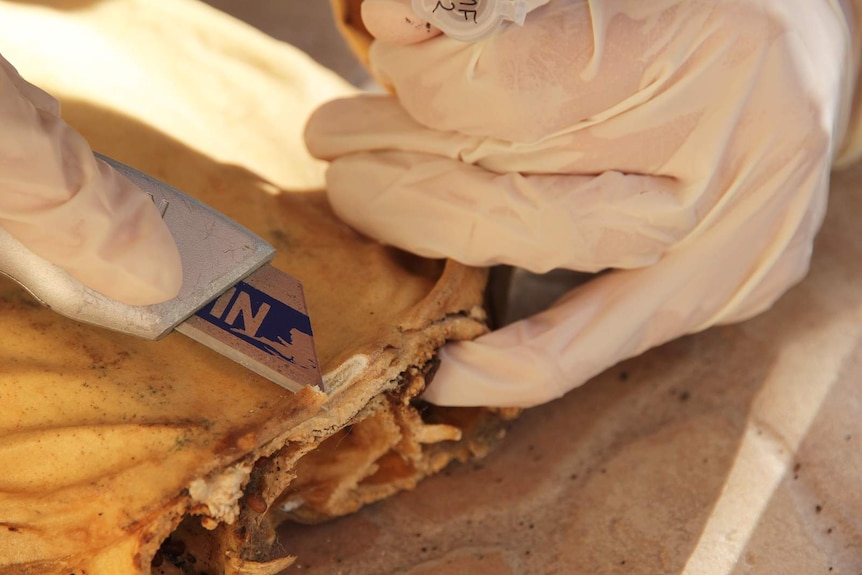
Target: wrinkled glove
{"points": [[684, 145], [75, 211]]}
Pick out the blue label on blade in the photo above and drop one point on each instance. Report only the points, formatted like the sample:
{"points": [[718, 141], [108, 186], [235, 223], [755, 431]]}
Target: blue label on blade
{"points": [[258, 319]]}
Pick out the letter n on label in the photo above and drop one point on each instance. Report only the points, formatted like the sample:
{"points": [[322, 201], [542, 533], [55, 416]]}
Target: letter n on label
{"points": [[229, 309]]}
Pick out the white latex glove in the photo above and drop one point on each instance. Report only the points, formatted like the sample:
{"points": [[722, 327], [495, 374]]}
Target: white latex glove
{"points": [[68, 207], [684, 144]]}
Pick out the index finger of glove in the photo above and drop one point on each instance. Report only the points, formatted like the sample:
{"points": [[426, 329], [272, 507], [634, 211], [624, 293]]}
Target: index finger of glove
{"points": [[731, 273], [440, 207], [75, 211]]}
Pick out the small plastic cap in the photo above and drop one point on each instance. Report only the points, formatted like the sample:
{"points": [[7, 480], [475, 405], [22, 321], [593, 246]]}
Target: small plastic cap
{"points": [[471, 20]]}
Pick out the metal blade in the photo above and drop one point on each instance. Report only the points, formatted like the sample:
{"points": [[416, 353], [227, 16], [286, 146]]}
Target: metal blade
{"points": [[261, 323]]}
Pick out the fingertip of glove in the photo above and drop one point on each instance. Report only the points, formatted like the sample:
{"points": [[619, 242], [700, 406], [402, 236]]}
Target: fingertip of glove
{"points": [[480, 374], [134, 258], [316, 129], [323, 126], [139, 290], [455, 384], [148, 271], [394, 22], [160, 267]]}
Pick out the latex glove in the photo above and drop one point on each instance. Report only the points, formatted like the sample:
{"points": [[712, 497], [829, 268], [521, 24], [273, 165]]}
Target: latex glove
{"points": [[74, 210], [685, 145]]}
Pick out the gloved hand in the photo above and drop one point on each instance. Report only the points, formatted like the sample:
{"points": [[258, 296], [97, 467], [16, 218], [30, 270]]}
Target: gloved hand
{"points": [[684, 145], [68, 207]]}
